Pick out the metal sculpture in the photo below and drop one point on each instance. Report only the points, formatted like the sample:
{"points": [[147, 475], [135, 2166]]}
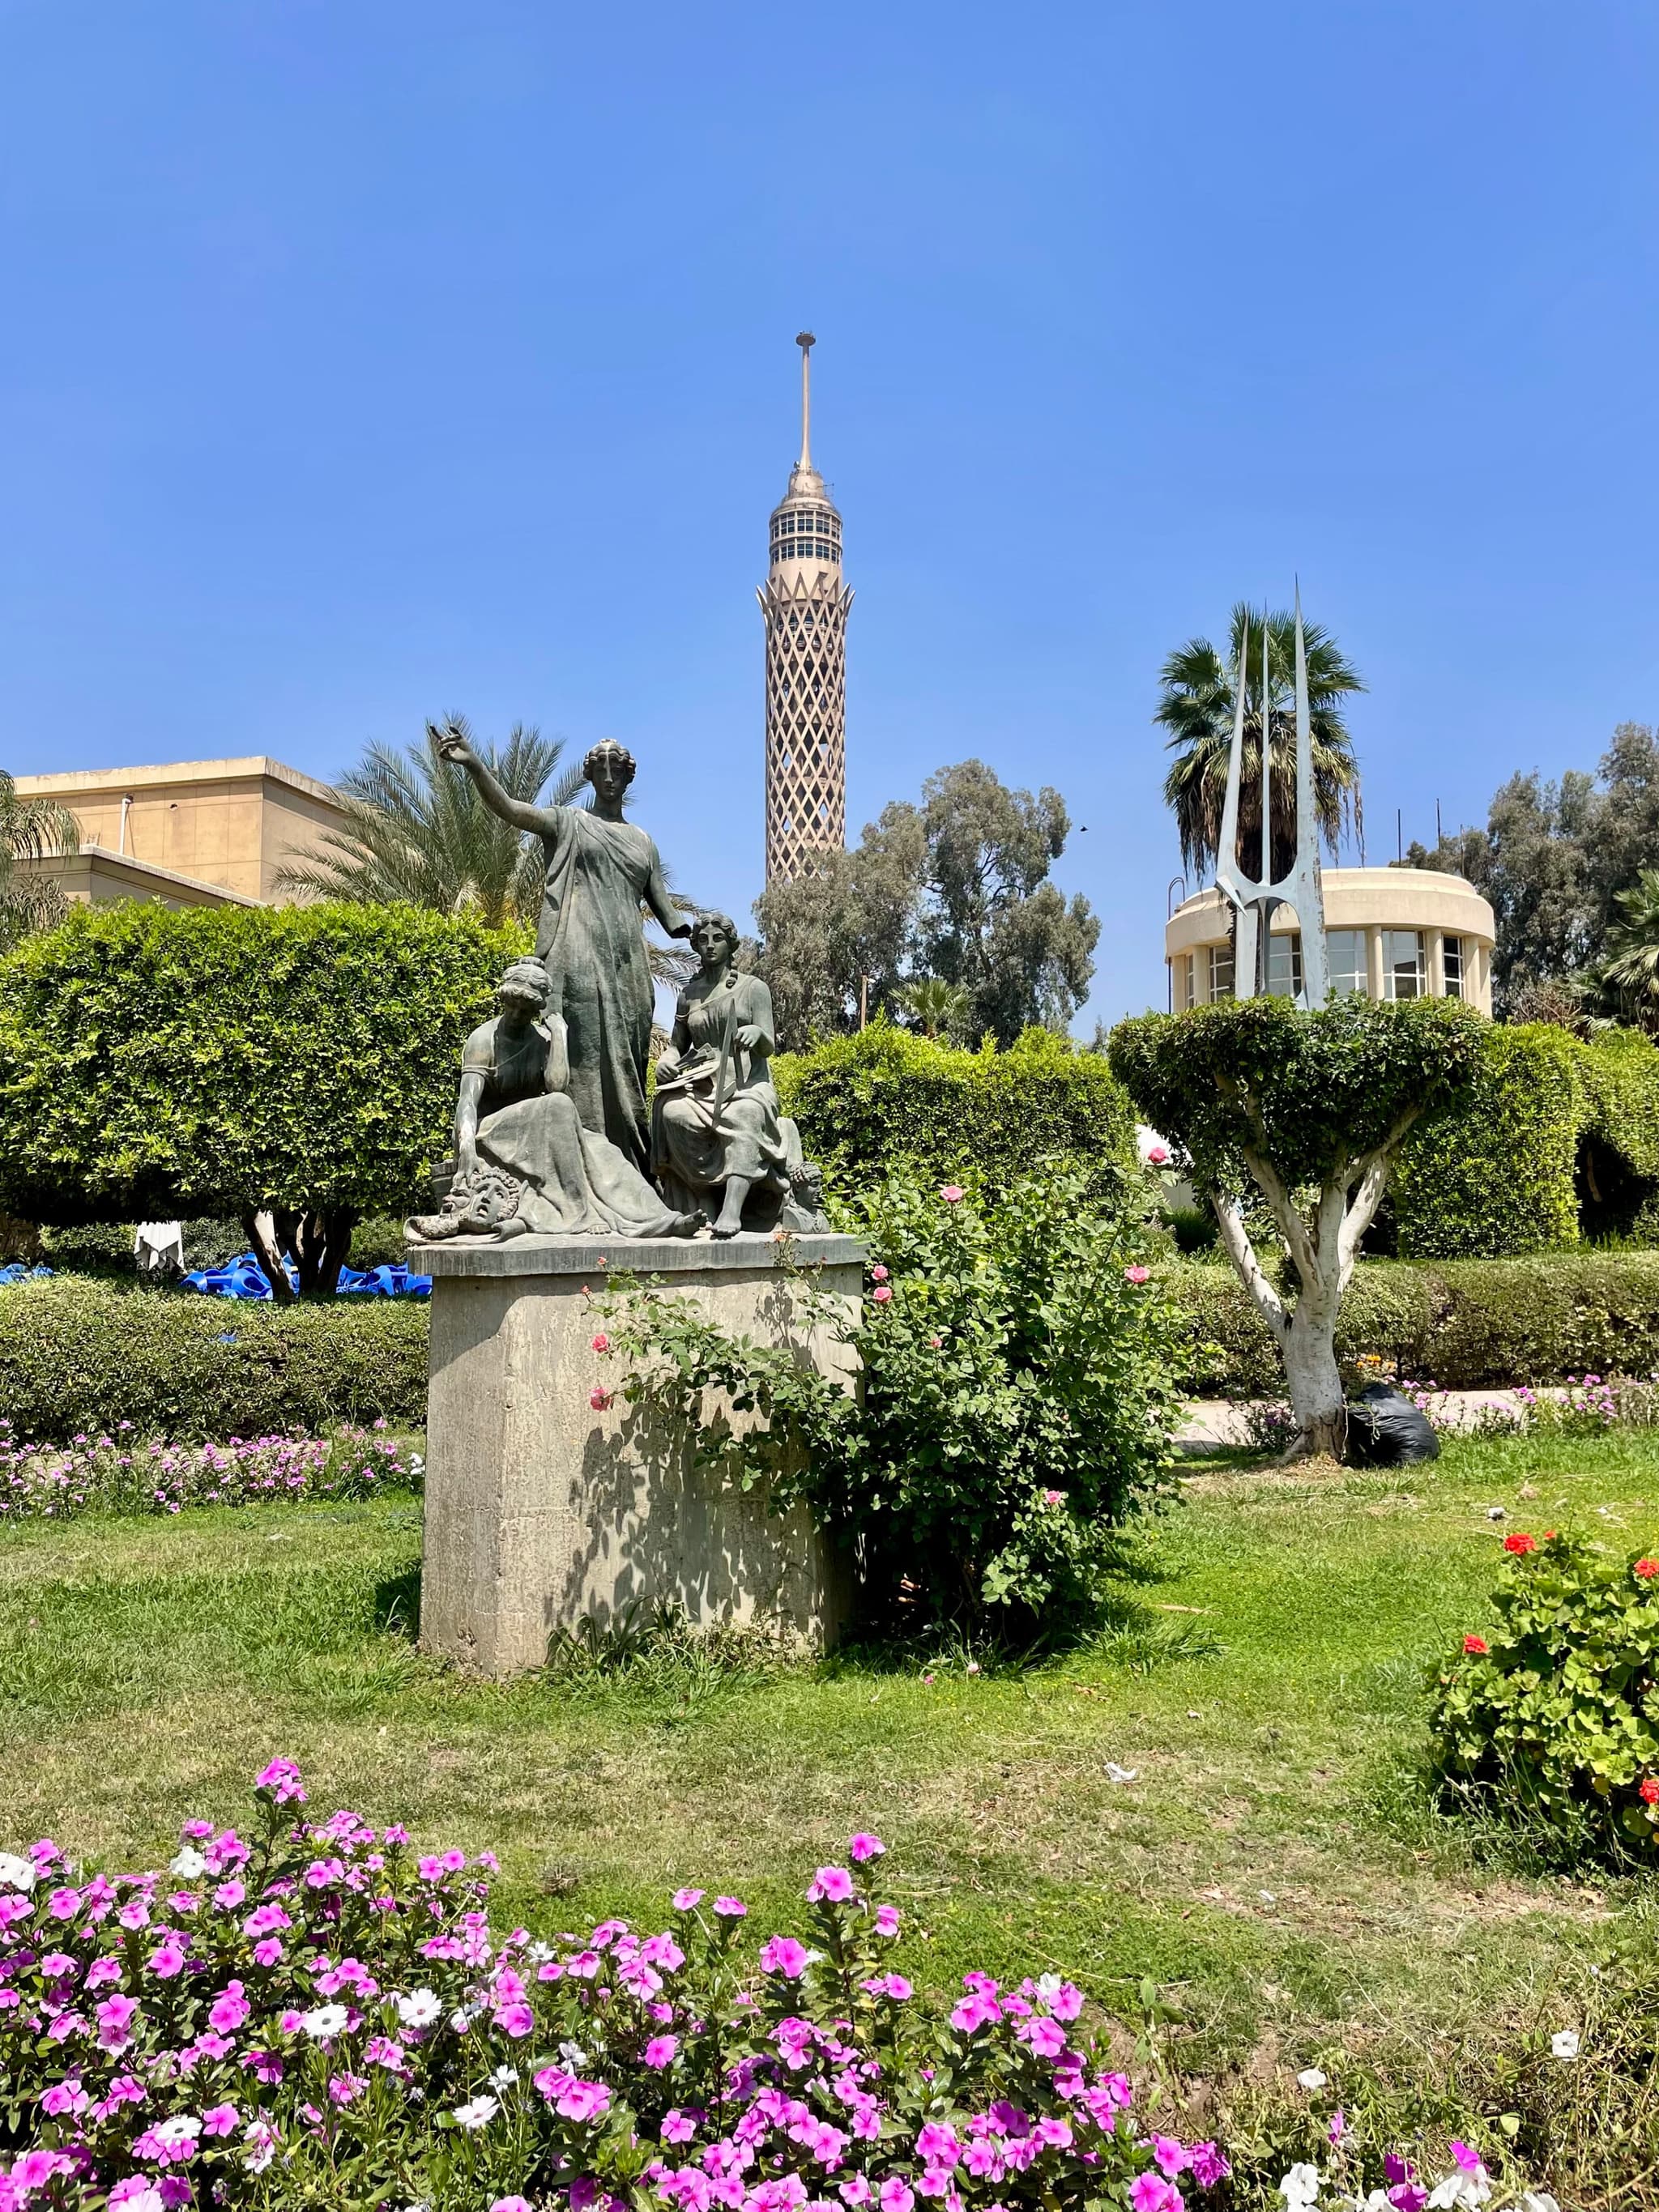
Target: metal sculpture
{"points": [[1254, 898]]}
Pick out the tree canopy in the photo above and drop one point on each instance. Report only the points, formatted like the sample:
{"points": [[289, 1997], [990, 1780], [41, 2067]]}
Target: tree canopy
{"points": [[1553, 859], [957, 890], [1196, 705], [235, 1060]]}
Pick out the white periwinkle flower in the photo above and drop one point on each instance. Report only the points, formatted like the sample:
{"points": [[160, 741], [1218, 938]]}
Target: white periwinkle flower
{"points": [[572, 2054], [477, 2114], [1311, 2078], [189, 1862], [1564, 2044], [504, 2077], [419, 2008], [15, 1872], [325, 2020], [1300, 2187]]}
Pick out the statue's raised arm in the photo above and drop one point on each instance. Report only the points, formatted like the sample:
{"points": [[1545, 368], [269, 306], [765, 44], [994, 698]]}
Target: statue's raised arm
{"points": [[452, 744]]}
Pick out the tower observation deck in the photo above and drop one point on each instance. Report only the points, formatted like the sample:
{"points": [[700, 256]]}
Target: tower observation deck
{"points": [[804, 605]]}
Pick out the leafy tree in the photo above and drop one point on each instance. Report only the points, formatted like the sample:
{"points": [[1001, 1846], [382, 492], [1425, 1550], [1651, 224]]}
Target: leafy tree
{"points": [[1197, 705], [935, 1007], [1312, 1109], [30, 830], [956, 889], [417, 834], [1553, 859], [297, 1063]]}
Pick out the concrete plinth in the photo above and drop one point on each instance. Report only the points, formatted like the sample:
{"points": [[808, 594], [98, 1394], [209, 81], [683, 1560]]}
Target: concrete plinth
{"points": [[541, 1511]]}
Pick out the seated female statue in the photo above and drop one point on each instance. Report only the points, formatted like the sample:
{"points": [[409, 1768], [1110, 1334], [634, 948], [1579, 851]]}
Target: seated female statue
{"points": [[715, 1128], [524, 1161]]}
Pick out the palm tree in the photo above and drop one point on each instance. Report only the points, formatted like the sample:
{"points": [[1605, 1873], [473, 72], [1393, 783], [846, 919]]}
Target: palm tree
{"points": [[1630, 974], [1196, 707], [417, 833], [938, 1009], [31, 829]]}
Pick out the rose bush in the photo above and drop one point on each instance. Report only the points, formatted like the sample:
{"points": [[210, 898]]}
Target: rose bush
{"points": [[1551, 1716], [317, 2014], [1017, 1398]]}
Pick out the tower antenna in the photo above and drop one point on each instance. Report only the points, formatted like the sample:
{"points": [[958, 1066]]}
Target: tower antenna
{"points": [[805, 341]]}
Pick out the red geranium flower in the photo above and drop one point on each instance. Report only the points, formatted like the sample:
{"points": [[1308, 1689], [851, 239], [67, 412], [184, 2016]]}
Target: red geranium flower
{"points": [[1520, 1542], [1647, 1569], [1476, 1645], [1649, 1792]]}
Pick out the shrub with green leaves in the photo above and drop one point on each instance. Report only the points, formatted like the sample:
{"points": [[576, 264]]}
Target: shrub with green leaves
{"points": [[1550, 1718], [81, 1356], [884, 1100], [1017, 1400], [235, 1060]]}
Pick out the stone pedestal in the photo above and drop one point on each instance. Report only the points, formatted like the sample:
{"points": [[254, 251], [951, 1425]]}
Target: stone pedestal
{"points": [[541, 1511]]}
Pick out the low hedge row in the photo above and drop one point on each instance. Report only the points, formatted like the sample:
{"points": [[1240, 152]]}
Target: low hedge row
{"points": [[78, 1355], [1465, 1324]]}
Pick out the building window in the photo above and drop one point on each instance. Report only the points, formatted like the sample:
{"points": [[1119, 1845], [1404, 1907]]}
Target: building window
{"points": [[1350, 970], [1221, 971], [1284, 965], [1404, 975], [1185, 981], [1451, 953]]}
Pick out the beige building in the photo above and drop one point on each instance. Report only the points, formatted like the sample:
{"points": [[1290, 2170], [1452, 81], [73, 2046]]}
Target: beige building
{"points": [[190, 833], [1392, 933]]}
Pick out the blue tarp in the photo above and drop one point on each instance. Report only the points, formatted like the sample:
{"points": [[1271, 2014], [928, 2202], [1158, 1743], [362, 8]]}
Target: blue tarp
{"points": [[240, 1278], [17, 1273]]}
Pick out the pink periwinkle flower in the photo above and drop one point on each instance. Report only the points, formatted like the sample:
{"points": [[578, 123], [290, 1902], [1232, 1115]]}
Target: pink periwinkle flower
{"points": [[511, 2205], [167, 1959], [282, 1779], [895, 2196], [730, 1908], [831, 1886], [1150, 2192], [863, 1847], [660, 2050], [887, 1920], [221, 2120], [783, 1954], [686, 1900], [1209, 2168], [1169, 2156], [229, 2009]]}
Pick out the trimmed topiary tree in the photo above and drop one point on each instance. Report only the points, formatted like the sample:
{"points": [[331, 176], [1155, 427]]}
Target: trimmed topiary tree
{"points": [[296, 1064], [1312, 1108]]}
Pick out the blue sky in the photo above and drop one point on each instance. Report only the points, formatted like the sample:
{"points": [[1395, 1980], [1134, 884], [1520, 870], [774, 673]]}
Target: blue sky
{"points": [[364, 361]]}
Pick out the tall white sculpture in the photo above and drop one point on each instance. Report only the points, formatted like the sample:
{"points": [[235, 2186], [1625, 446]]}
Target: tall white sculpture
{"points": [[1254, 898]]}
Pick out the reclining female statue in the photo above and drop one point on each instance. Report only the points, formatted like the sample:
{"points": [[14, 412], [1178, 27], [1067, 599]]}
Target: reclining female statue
{"points": [[717, 1137], [524, 1162]]}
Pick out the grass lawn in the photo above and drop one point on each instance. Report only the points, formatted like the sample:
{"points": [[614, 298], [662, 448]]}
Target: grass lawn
{"points": [[1275, 1864]]}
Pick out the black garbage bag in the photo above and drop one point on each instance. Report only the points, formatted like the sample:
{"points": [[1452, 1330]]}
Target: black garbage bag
{"points": [[1386, 1430]]}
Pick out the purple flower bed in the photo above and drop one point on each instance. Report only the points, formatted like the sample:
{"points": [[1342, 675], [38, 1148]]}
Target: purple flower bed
{"points": [[317, 2014], [119, 1474]]}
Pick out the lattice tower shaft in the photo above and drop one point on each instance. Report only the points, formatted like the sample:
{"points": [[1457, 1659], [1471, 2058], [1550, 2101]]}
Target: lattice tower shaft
{"points": [[806, 719]]}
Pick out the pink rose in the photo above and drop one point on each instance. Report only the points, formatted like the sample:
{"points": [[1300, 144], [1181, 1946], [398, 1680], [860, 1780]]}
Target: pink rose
{"points": [[882, 1293], [599, 1398], [951, 1193], [1136, 1274], [602, 1342]]}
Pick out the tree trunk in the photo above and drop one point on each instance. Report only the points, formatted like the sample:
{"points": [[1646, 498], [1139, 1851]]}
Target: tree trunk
{"points": [[317, 1239], [1310, 1369], [261, 1231]]}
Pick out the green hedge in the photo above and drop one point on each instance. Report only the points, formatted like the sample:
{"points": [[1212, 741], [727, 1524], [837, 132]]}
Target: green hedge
{"points": [[885, 1099], [78, 1355], [1559, 1139], [1465, 1324]]}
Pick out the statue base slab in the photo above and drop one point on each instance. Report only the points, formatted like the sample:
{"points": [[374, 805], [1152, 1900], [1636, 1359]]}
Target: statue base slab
{"points": [[543, 1513]]}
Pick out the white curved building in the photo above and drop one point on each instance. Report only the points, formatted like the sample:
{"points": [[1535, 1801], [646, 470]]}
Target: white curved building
{"points": [[1393, 933]]}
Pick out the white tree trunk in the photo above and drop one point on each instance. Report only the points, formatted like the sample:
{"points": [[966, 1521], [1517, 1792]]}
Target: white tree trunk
{"points": [[1311, 1371]]}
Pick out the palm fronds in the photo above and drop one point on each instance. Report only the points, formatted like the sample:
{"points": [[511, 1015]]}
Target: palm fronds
{"points": [[1195, 705], [31, 830]]}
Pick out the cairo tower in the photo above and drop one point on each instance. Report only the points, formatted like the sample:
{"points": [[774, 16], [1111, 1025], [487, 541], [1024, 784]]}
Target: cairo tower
{"points": [[805, 604]]}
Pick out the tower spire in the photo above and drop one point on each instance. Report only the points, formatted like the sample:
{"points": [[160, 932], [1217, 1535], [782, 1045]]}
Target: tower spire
{"points": [[805, 341]]}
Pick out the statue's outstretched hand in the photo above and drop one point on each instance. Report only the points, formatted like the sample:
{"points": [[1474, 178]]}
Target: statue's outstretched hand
{"points": [[453, 746], [750, 1033]]}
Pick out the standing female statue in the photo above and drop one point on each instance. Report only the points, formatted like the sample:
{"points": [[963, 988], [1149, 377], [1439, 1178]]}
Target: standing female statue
{"points": [[600, 872], [715, 1130]]}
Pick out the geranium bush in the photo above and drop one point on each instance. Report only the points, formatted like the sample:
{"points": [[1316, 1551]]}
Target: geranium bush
{"points": [[1015, 1399], [121, 1474], [318, 2015], [1551, 1715]]}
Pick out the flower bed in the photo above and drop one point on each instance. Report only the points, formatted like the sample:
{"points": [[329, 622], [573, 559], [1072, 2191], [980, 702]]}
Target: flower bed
{"points": [[118, 1474], [319, 2015]]}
